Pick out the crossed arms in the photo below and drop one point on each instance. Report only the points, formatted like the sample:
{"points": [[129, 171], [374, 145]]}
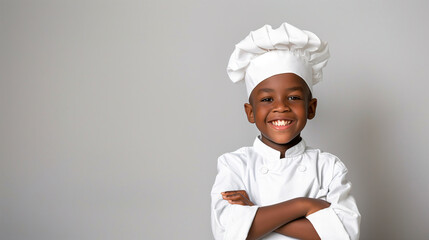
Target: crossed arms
{"points": [[287, 218], [234, 216]]}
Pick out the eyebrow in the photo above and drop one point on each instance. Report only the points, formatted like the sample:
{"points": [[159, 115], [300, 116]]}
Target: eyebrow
{"points": [[265, 90], [295, 88]]}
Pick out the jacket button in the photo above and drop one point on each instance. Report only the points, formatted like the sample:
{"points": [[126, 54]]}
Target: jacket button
{"points": [[264, 170], [302, 168]]}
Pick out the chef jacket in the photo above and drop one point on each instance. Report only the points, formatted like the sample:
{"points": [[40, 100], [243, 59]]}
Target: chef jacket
{"points": [[269, 179]]}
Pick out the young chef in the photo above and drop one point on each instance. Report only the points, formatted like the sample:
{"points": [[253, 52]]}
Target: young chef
{"points": [[280, 188]]}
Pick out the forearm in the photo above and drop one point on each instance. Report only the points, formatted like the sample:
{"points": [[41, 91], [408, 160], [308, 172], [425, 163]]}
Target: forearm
{"points": [[300, 228], [270, 218]]}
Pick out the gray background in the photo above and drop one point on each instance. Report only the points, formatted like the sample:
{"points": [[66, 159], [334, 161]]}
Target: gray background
{"points": [[113, 113]]}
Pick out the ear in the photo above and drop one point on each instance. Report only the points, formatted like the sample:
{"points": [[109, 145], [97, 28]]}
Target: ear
{"points": [[249, 112], [311, 111]]}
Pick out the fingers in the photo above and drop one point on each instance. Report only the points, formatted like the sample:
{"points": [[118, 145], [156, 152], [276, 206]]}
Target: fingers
{"points": [[237, 197], [232, 196], [231, 193], [244, 193]]}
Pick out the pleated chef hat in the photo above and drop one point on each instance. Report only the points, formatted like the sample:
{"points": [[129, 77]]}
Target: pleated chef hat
{"points": [[267, 52]]}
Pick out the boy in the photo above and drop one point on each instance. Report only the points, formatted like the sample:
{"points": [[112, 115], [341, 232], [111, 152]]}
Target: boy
{"points": [[280, 188]]}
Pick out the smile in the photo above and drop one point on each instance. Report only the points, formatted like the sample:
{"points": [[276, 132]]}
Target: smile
{"points": [[281, 124]]}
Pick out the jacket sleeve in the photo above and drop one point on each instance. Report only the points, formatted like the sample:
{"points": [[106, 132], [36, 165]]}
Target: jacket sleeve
{"points": [[229, 222], [342, 219]]}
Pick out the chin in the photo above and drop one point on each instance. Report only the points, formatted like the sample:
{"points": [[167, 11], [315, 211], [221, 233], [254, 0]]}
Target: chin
{"points": [[282, 141]]}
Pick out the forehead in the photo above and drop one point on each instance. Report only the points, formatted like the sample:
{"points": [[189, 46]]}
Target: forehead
{"points": [[281, 82]]}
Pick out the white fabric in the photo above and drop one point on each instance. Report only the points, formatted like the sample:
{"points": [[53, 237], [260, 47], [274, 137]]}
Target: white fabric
{"points": [[287, 49], [304, 172]]}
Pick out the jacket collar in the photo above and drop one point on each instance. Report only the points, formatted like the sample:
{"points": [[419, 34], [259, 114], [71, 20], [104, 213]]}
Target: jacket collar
{"points": [[271, 153]]}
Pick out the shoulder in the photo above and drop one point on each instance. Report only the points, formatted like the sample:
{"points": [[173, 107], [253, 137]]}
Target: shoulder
{"points": [[236, 159], [326, 159]]}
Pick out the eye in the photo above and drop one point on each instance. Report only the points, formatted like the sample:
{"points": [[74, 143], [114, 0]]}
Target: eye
{"points": [[267, 99], [294, 98]]}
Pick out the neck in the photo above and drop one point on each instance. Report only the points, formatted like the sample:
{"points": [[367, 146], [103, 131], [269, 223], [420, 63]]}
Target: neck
{"points": [[282, 148]]}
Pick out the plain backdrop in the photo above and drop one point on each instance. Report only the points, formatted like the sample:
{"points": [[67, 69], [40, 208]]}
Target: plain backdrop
{"points": [[113, 113]]}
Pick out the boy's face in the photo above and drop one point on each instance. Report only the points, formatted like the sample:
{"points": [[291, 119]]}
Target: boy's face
{"points": [[280, 106]]}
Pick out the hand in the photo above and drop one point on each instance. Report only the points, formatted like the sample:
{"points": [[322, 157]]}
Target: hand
{"points": [[237, 197]]}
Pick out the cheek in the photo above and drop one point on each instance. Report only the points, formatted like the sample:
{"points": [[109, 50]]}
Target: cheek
{"points": [[260, 117], [302, 110]]}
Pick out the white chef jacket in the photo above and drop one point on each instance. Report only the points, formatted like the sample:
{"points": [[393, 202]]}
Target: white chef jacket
{"points": [[269, 179]]}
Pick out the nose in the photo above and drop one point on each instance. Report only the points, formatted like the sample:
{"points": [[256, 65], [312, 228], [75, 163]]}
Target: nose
{"points": [[281, 106]]}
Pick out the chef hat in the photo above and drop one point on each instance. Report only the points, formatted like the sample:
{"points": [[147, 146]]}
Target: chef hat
{"points": [[287, 49]]}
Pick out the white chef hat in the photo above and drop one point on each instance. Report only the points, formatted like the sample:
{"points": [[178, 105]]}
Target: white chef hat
{"points": [[287, 49]]}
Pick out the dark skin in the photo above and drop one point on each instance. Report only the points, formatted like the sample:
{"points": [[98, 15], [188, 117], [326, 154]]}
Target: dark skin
{"points": [[280, 107], [287, 218], [281, 97]]}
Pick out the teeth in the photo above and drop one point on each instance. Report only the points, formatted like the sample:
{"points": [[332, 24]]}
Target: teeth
{"points": [[281, 123]]}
